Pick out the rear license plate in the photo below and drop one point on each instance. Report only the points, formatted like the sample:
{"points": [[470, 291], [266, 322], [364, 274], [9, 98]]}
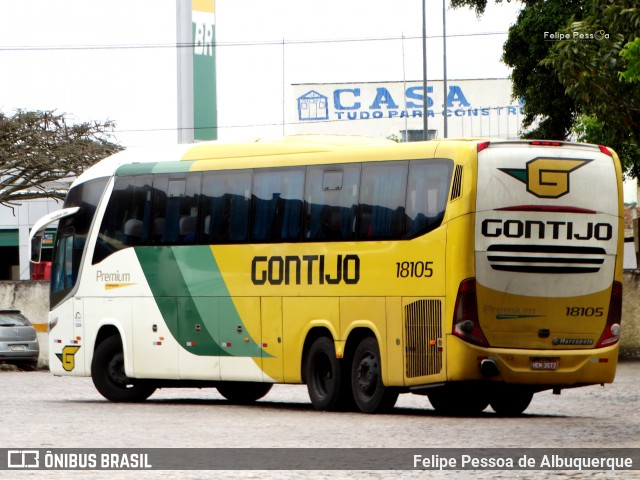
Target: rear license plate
{"points": [[545, 363], [18, 348]]}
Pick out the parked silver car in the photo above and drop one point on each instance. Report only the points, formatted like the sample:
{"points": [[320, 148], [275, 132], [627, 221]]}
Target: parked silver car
{"points": [[18, 340]]}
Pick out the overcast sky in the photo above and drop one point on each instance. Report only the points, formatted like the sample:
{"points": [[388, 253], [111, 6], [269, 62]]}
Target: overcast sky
{"points": [[116, 59]]}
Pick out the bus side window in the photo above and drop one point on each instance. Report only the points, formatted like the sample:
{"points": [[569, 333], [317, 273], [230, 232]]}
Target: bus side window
{"points": [[225, 207], [331, 199], [382, 197], [427, 194], [126, 219], [175, 208], [277, 205]]}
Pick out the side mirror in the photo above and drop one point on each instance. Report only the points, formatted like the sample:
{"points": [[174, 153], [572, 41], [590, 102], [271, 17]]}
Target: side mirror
{"points": [[36, 248], [38, 231]]}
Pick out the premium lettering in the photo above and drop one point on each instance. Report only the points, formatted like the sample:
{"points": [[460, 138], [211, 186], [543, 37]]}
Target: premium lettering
{"points": [[112, 276]]}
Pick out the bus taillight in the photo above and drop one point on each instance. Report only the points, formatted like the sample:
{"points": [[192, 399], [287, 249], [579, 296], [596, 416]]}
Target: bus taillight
{"points": [[611, 332], [545, 143], [482, 146], [466, 324], [605, 150]]}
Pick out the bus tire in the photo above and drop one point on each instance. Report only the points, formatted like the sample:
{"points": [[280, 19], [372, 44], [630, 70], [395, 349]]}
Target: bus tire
{"points": [[243, 392], [107, 373], [369, 393], [511, 402], [323, 374], [458, 401]]}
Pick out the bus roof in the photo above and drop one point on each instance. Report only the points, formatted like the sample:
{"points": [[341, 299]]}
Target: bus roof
{"points": [[216, 150], [224, 155]]}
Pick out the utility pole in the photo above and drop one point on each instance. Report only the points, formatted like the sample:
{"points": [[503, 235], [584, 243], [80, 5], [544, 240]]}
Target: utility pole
{"points": [[425, 108], [444, 66]]}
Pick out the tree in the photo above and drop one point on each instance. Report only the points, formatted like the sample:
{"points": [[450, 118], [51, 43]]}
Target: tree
{"points": [[41, 147], [631, 53], [548, 111], [546, 105], [599, 68], [582, 82], [478, 5]]}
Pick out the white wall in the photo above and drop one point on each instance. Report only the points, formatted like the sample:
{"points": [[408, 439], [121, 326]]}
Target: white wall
{"points": [[476, 108]]}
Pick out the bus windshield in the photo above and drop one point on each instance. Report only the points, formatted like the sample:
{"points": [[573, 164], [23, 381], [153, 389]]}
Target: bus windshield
{"points": [[71, 237]]}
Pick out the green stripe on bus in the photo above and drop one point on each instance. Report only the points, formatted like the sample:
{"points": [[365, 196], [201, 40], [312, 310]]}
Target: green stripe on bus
{"points": [[204, 281], [172, 167], [135, 169], [178, 308], [154, 167], [194, 301]]}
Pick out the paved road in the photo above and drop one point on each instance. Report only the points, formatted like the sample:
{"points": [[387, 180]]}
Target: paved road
{"points": [[67, 412]]}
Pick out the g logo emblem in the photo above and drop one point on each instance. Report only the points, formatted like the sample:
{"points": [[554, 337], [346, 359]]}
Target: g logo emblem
{"points": [[546, 177], [67, 357]]}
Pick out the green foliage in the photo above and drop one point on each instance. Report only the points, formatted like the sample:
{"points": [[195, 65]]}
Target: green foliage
{"points": [[478, 5], [547, 107], [39, 149], [589, 66], [589, 129], [631, 53], [584, 83]]}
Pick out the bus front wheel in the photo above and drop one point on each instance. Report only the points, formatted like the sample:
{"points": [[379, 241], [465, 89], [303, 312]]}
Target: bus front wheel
{"points": [[109, 378], [243, 392], [369, 393]]}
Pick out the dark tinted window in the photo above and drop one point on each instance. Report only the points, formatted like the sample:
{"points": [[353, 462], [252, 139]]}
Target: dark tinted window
{"points": [[382, 197], [427, 194], [175, 209], [371, 201], [277, 205], [127, 218], [331, 202], [225, 207]]}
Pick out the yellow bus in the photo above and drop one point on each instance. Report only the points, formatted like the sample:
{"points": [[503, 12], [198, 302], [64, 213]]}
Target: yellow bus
{"points": [[474, 272]]}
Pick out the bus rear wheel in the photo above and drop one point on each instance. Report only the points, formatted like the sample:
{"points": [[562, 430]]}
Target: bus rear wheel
{"points": [[510, 401], [327, 384], [243, 392], [109, 378], [458, 401], [369, 393]]}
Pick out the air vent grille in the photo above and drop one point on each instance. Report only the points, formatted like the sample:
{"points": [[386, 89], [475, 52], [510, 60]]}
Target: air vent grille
{"points": [[423, 330]]}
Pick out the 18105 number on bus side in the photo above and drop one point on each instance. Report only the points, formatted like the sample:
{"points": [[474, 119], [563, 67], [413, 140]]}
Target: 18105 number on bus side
{"points": [[414, 269]]}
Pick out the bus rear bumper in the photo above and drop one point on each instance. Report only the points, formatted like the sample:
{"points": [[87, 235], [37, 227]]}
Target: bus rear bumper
{"points": [[566, 368]]}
